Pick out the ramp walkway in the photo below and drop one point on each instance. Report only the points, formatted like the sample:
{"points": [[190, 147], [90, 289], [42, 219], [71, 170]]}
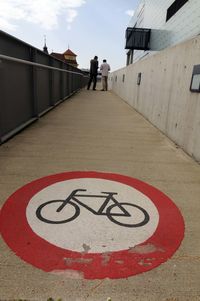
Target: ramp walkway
{"points": [[97, 131]]}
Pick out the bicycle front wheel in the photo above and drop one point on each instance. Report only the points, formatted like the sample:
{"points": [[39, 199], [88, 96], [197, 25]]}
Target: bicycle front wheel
{"points": [[136, 215], [49, 213]]}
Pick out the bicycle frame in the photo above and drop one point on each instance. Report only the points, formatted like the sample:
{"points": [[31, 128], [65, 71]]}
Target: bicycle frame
{"points": [[74, 197]]}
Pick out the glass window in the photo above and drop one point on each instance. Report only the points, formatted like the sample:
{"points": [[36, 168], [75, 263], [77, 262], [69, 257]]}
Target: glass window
{"points": [[176, 5]]}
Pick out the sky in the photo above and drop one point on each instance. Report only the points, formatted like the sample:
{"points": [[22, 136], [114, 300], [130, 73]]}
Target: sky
{"points": [[87, 27]]}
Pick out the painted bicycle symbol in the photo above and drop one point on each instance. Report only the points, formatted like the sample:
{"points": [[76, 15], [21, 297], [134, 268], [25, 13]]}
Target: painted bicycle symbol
{"points": [[125, 218]]}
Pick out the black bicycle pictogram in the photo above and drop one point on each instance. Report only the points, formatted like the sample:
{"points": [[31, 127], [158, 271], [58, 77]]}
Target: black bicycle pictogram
{"points": [[74, 201]]}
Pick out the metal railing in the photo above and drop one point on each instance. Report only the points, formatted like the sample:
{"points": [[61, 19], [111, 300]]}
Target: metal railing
{"points": [[31, 86]]}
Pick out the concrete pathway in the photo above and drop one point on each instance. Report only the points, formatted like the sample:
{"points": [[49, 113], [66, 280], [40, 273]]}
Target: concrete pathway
{"points": [[97, 131]]}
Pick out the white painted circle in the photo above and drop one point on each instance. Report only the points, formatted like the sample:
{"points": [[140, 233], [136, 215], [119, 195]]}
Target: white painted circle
{"points": [[90, 232]]}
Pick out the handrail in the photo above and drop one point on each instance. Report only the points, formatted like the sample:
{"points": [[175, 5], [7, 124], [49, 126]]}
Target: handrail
{"points": [[9, 58]]}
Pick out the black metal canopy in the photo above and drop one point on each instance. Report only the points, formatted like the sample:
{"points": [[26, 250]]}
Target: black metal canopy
{"points": [[137, 38]]}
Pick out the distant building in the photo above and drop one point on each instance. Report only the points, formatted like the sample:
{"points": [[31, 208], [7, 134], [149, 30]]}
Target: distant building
{"points": [[160, 24], [85, 71], [45, 49], [67, 57]]}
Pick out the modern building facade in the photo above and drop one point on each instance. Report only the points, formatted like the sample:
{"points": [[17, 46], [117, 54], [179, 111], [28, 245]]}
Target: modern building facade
{"points": [[158, 24]]}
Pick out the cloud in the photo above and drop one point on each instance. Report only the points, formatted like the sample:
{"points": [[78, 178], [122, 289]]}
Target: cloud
{"points": [[71, 14], [130, 12], [5, 25], [45, 13]]}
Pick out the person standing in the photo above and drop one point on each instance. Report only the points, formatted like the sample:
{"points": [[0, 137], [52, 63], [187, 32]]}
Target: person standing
{"points": [[94, 65], [105, 68]]}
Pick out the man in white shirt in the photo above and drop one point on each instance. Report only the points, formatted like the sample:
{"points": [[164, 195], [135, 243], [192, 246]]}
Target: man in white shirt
{"points": [[104, 75]]}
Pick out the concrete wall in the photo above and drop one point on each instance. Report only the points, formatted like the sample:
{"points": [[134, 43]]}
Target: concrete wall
{"points": [[164, 96]]}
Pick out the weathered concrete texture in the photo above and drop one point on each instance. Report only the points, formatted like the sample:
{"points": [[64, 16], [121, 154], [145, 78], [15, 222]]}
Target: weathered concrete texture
{"points": [[98, 131], [164, 95]]}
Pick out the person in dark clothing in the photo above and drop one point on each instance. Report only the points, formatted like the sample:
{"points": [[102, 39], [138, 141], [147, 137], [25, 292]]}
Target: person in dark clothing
{"points": [[94, 64]]}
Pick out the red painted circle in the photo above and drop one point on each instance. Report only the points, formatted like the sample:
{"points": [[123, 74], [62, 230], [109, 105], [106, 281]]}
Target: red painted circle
{"points": [[120, 264]]}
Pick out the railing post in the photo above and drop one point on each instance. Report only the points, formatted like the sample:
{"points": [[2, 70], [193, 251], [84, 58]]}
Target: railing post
{"points": [[61, 81], [68, 80], [51, 79], [1, 125], [33, 58]]}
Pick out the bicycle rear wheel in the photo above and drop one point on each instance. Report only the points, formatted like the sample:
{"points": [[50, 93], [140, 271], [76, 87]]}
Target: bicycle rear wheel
{"points": [[40, 212], [144, 216]]}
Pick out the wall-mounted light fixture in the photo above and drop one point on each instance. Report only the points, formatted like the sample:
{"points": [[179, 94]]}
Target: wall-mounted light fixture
{"points": [[195, 82], [139, 78]]}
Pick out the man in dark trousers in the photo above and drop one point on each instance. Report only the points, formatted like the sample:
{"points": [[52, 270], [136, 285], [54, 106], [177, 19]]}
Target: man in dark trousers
{"points": [[94, 64]]}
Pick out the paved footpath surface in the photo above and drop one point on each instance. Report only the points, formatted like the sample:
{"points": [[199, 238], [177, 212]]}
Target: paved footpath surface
{"points": [[97, 131]]}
